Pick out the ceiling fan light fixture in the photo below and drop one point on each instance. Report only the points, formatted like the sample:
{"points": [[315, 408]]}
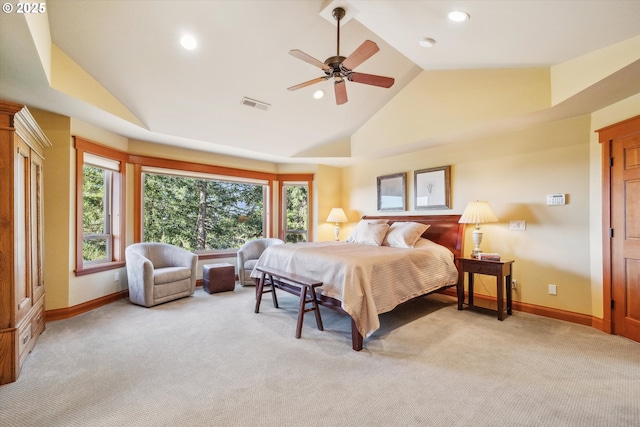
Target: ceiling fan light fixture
{"points": [[188, 42], [426, 42], [458, 16]]}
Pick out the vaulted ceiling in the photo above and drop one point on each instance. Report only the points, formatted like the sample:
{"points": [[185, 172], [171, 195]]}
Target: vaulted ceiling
{"points": [[119, 64]]}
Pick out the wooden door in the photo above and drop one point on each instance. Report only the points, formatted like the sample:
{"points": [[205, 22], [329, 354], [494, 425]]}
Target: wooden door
{"points": [[625, 244], [621, 225]]}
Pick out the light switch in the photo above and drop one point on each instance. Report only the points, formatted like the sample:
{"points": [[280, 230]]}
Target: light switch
{"points": [[519, 225]]}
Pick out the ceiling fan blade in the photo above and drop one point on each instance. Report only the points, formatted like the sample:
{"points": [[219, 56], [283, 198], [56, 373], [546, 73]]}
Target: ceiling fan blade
{"points": [[309, 59], [365, 51], [371, 79], [309, 83], [341, 92]]}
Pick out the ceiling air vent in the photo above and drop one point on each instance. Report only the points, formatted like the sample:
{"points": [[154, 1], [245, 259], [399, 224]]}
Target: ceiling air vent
{"points": [[255, 104]]}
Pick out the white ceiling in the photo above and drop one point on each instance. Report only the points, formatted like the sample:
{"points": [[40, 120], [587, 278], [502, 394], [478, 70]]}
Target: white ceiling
{"points": [[193, 99]]}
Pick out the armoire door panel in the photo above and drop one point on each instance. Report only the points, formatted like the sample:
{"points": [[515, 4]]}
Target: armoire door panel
{"points": [[22, 241], [37, 278]]}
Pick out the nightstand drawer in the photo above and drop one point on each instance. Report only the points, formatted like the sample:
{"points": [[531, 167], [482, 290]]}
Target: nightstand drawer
{"points": [[482, 267]]}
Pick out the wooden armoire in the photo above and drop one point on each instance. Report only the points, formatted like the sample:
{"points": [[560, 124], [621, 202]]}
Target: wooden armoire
{"points": [[22, 147]]}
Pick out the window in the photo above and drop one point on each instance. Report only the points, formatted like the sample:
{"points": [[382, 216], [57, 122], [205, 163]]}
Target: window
{"points": [[295, 212], [202, 212], [97, 187], [100, 202], [212, 209]]}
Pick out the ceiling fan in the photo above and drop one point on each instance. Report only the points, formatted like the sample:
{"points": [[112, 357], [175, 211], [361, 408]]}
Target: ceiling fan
{"points": [[340, 68]]}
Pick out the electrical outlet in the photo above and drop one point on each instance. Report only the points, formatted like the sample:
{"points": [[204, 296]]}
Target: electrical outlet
{"points": [[514, 284], [553, 290], [116, 276]]}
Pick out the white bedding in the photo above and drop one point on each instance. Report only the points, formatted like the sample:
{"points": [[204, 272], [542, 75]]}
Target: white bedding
{"points": [[368, 280]]}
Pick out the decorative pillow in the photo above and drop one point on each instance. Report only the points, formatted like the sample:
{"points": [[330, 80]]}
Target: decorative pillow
{"points": [[372, 235], [362, 227], [404, 234]]}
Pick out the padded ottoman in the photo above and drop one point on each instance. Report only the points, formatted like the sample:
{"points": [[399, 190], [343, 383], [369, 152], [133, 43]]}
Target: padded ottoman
{"points": [[218, 278]]}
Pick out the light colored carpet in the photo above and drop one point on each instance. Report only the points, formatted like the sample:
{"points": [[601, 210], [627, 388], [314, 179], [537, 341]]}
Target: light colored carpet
{"points": [[208, 360]]}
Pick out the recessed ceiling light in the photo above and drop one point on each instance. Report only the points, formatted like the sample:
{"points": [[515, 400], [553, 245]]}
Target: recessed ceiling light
{"points": [[426, 42], [188, 42], [318, 94], [458, 16]]}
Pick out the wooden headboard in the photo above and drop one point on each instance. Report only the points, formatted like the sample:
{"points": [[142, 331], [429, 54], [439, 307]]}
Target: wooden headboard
{"points": [[444, 229]]}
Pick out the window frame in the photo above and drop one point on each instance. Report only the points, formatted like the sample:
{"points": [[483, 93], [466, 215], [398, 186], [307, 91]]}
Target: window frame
{"points": [[188, 174], [295, 180], [117, 203], [139, 162]]}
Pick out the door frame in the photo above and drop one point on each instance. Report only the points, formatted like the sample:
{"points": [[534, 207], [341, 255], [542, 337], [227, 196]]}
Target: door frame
{"points": [[606, 137]]}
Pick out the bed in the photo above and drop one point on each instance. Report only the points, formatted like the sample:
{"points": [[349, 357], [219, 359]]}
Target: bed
{"points": [[365, 280]]}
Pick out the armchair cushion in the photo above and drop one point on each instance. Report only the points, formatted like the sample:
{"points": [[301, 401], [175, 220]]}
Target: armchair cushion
{"points": [[170, 274]]}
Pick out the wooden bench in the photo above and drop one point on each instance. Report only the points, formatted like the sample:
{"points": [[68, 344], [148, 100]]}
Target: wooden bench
{"points": [[294, 284]]}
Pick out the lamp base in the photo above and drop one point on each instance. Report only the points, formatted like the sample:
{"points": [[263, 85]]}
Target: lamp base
{"points": [[476, 235], [336, 232]]}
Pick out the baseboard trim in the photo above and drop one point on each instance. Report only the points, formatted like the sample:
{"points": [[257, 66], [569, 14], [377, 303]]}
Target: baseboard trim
{"points": [[65, 313], [554, 313]]}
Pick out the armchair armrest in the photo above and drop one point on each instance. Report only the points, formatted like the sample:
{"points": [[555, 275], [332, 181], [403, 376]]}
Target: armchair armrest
{"points": [[139, 277]]}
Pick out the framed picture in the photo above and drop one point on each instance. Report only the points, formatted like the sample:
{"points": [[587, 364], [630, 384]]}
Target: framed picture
{"points": [[432, 188], [391, 192]]}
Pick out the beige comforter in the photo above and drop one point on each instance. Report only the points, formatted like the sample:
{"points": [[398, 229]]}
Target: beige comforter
{"points": [[368, 280]]}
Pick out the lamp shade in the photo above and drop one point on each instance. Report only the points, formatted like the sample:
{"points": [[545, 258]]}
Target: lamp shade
{"points": [[478, 212], [337, 215]]}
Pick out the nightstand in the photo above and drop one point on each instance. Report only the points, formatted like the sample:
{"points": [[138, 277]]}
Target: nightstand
{"points": [[502, 270]]}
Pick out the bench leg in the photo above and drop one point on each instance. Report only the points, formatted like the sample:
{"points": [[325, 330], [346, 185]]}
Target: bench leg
{"points": [[316, 309], [259, 290], [273, 292], [301, 311]]}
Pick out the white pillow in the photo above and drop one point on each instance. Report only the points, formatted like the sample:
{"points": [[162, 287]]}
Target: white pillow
{"points": [[362, 227], [404, 234], [372, 235]]}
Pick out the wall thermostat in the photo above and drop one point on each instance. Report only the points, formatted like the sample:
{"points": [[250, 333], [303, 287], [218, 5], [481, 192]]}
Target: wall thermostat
{"points": [[556, 199]]}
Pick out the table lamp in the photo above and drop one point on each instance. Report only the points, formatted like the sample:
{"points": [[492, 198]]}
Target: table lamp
{"points": [[477, 213], [336, 215]]}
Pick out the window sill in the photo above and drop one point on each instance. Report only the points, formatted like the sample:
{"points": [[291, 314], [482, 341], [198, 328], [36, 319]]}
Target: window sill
{"points": [[222, 253], [99, 268]]}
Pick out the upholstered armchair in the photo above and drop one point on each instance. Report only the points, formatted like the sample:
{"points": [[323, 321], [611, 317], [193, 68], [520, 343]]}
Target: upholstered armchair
{"points": [[248, 256], [158, 272]]}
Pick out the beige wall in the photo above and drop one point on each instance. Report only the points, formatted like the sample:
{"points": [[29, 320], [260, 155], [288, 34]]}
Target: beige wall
{"points": [[441, 103], [58, 223], [328, 195], [514, 172], [561, 245], [65, 289]]}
